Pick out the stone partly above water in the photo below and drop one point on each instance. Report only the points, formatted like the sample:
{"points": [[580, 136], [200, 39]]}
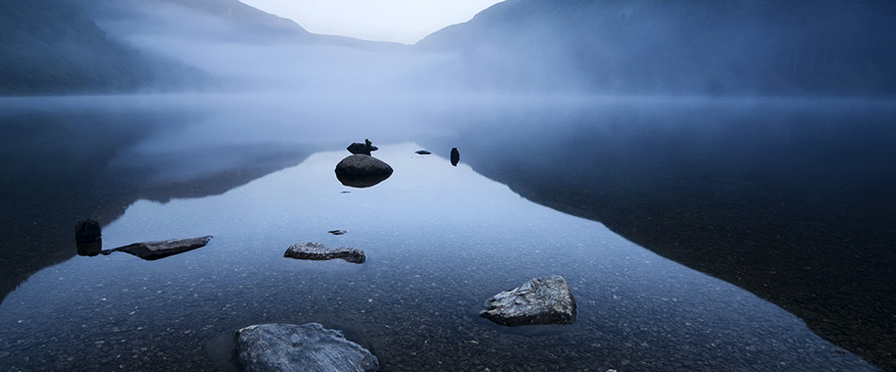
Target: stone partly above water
{"points": [[538, 301], [307, 348], [362, 171], [361, 148], [317, 251], [155, 250]]}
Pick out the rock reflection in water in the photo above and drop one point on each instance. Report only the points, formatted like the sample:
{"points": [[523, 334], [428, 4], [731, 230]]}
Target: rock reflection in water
{"points": [[443, 241]]}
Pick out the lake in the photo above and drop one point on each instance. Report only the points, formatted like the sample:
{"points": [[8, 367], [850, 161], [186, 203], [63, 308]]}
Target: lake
{"points": [[647, 173]]}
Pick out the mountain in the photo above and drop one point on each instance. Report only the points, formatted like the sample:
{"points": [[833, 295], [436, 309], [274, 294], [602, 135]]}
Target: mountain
{"points": [[714, 47], [54, 47], [82, 46], [214, 20]]}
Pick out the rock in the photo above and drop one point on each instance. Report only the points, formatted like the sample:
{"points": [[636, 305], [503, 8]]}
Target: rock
{"points": [[422, 152], [317, 251], [90, 249], [307, 348], [538, 301], [361, 148], [362, 171], [88, 238], [337, 232], [455, 156], [87, 231], [155, 250]]}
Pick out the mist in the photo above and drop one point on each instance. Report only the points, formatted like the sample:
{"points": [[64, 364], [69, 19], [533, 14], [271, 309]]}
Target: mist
{"points": [[747, 140]]}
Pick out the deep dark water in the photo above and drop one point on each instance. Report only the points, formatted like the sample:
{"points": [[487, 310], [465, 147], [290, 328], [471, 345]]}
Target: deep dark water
{"points": [[788, 200]]}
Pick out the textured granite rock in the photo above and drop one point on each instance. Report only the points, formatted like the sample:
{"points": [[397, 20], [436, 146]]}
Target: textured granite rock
{"points": [[317, 251], [155, 250], [294, 348], [538, 301]]}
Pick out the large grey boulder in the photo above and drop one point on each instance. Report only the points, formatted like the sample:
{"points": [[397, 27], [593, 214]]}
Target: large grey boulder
{"points": [[538, 301], [306, 348], [362, 171], [317, 251]]}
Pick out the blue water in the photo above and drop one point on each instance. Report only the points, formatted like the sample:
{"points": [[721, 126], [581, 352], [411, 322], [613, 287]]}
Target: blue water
{"points": [[440, 240]]}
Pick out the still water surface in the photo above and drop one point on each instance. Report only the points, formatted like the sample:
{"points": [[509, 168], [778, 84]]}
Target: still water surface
{"points": [[440, 240]]}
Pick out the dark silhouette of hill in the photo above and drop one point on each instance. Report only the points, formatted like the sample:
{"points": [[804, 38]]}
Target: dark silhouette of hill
{"points": [[237, 22], [731, 47], [54, 47]]}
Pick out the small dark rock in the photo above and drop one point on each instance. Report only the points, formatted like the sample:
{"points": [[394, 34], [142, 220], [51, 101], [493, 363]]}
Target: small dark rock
{"points": [[361, 148], [538, 301], [455, 156], [308, 347], [337, 232], [422, 152], [317, 251], [155, 250], [362, 171], [87, 231]]}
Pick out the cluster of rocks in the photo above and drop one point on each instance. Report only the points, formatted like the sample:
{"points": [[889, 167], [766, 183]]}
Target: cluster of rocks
{"points": [[361, 169], [311, 347]]}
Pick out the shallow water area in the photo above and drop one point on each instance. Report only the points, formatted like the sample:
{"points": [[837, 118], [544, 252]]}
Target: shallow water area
{"points": [[440, 240]]}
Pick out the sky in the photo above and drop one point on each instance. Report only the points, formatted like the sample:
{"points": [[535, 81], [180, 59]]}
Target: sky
{"points": [[403, 21]]}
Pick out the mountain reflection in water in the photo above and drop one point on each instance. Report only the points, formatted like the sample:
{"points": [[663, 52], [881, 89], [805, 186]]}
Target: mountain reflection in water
{"points": [[440, 241]]}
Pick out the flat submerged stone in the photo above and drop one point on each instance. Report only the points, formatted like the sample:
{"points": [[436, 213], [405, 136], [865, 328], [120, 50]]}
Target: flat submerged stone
{"points": [[155, 250]]}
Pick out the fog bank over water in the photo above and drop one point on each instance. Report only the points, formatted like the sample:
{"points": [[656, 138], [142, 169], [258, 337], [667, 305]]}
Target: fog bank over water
{"points": [[833, 48]]}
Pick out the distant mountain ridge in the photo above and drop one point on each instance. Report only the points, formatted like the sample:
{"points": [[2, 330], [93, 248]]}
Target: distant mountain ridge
{"points": [[53, 47], [57, 47], [249, 24], [714, 47], [693, 47]]}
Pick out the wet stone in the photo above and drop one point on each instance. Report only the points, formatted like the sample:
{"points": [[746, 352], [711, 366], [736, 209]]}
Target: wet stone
{"points": [[538, 301], [308, 347], [317, 251], [362, 171], [155, 250]]}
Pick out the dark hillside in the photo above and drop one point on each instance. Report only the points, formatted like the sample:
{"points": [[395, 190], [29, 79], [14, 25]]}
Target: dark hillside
{"points": [[214, 20], [53, 47], [734, 47]]}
